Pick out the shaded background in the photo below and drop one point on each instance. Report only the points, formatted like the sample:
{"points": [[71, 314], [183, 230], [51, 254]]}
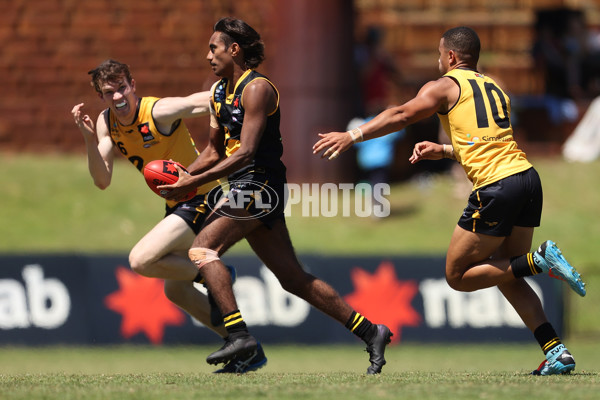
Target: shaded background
{"points": [[49, 45]]}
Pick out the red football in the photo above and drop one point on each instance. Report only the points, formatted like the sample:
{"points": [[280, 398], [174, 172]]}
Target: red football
{"points": [[163, 172]]}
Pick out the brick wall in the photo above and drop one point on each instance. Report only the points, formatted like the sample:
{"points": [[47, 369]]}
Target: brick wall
{"points": [[505, 27], [49, 45]]}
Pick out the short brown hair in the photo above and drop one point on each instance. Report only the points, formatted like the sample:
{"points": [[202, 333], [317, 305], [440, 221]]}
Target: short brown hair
{"points": [[109, 71]]}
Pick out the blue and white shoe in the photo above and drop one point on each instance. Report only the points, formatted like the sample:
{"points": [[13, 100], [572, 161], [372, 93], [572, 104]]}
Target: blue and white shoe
{"points": [[558, 361], [242, 365], [550, 259], [216, 318]]}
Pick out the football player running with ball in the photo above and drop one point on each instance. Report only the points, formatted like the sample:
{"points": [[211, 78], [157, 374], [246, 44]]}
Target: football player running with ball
{"points": [[491, 244], [144, 129], [246, 145]]}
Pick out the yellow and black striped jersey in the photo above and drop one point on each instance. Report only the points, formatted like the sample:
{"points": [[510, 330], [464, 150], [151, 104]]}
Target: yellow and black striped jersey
{"points": [[229, 112], [480, 129]]}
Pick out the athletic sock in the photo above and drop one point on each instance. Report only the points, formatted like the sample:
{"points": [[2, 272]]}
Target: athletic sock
{"points": [[234, 323], [361, 327], [546, 336], [524, 266]]}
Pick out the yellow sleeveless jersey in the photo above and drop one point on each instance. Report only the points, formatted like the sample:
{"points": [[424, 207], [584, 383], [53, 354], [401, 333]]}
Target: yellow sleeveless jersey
{"points": [[480, 129], [141, 142]]}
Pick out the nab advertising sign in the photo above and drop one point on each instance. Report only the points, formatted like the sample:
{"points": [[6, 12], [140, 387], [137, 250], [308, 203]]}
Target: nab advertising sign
{"points": [[80, 299]]}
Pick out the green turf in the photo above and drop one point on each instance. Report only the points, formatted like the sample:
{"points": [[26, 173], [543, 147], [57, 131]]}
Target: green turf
{"points": [[53, 206], [414, 371]]}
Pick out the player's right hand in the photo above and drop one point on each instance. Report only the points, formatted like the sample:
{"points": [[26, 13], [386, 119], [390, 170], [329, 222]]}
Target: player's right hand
{"points": [[179, 190], [83, 121], [332, 144]]}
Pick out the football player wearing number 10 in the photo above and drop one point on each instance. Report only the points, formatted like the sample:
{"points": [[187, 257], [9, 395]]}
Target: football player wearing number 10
{"points": [[144, 129], [492, 241]]}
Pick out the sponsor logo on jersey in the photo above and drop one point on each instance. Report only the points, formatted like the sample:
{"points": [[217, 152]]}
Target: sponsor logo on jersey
{"points": [[145, 131], [496, 139]]}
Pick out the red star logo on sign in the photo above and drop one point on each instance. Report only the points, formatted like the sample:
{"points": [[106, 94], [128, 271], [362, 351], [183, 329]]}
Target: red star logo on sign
{"points": [[143, 305], [384, 299]]}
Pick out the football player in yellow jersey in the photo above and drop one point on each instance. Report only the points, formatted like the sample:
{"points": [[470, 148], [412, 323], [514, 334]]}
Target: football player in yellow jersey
{"points": [[144, 129], [492, 241]]}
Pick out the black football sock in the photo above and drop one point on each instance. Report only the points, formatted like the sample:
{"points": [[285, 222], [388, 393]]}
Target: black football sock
{"points": [[361, 327], [546, 336], [234, 323], [524, 266]]}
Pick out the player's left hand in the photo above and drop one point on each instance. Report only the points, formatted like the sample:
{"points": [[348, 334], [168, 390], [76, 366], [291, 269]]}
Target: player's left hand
{"points": [[179, 190], [332, 144], [426, 151]]}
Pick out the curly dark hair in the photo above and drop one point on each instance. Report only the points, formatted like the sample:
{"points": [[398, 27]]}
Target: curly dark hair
{"points": [[465, 42], [109, 71], [237, 31]]}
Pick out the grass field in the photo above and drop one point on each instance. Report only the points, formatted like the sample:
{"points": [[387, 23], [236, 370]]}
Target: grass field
{"points": [[413, 372], [51, 206]]}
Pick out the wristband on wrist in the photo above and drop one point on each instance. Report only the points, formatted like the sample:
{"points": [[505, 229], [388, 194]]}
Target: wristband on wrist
{"points": [[356, 134], [447, 155]]}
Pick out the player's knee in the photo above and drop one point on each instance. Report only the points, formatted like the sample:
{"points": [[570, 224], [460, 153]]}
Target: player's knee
{"points": [[140, 262], [456, 282], [288, 285], [297, 284], [453, 282], [201, 256]]}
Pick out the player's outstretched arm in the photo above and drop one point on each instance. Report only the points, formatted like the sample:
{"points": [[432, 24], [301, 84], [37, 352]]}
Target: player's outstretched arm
{"points": [[169, 109], [430, 99], [98, 145]]}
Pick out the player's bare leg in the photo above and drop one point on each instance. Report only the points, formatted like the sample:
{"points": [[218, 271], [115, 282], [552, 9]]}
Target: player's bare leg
{"points": [[162, 252], [274, 247], [185, 295], [217, 235], [477, 261], [525, 302], [464, 272], [469, 266]]}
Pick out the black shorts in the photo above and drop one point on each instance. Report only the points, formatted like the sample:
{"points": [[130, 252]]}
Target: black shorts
{"points": [[513, 201], [260, 191], [193, 211]]}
